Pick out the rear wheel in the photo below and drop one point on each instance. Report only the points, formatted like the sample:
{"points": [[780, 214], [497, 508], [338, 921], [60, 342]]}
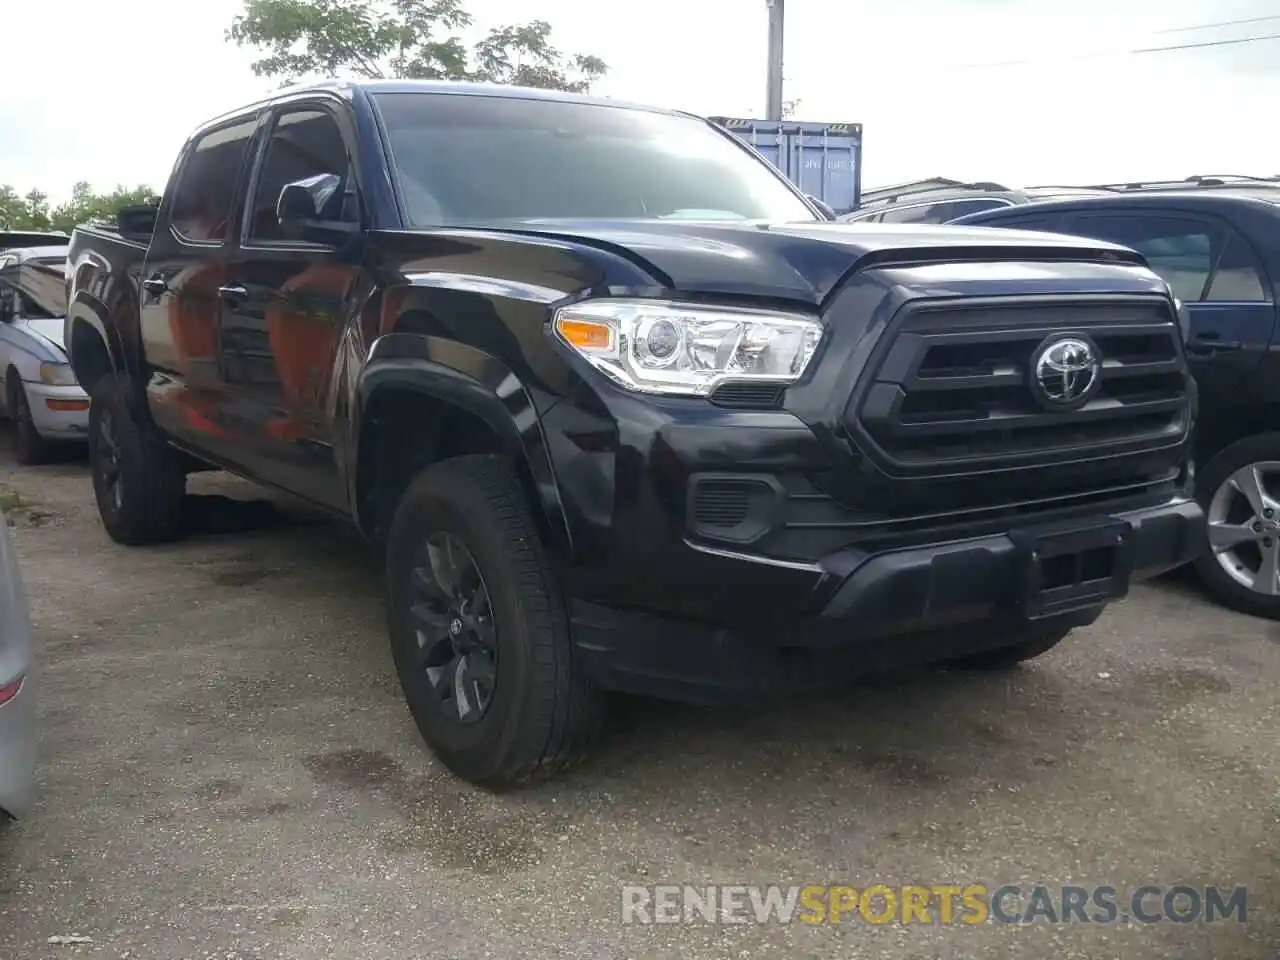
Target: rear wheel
{"points": [[1024, 645], [479, 631], [29, 448], [139, 481], [1239, 490]]}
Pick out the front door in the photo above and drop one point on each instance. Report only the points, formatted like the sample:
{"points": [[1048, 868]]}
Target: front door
{"points": [[1219, 278], [286, 305]]}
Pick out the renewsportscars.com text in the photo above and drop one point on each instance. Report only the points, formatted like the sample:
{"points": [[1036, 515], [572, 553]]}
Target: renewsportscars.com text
{"points": [[934, 904]]}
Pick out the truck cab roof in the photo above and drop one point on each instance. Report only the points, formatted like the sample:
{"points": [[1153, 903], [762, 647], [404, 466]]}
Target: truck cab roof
{"points": [[346, 88]]}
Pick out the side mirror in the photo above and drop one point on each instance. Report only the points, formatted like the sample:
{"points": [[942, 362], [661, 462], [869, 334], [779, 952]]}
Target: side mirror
{"points": [[299, 209]]}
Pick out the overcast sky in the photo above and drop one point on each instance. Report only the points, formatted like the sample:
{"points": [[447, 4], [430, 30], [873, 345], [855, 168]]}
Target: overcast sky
{"points": [[1019, 91]]}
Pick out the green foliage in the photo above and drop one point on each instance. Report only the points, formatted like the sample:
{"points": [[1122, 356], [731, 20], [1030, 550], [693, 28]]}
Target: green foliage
{"points": [[378, 39], [32, 211]]}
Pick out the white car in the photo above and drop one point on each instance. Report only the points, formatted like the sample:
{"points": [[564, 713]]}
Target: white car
{"points": [[17, 703], [38, 389]]}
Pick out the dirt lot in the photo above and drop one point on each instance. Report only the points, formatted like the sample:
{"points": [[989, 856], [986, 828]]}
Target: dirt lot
{"points": [[228, 771]]}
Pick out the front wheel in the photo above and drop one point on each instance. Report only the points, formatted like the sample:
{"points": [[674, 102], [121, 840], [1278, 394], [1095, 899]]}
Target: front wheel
{"points": [[1239, 490], [29, 448], [479, 632], [139, 481]]}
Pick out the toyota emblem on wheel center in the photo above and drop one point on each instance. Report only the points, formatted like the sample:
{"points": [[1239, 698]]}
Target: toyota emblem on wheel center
{"points": [[1065, 372]]}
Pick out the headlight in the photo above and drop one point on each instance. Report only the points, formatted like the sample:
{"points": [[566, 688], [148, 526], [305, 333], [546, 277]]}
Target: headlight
{"points": [[657, 346], [57, 374]]}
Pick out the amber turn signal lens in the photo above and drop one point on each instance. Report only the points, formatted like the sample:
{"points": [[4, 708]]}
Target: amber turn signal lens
{"points": [[585, 335]]}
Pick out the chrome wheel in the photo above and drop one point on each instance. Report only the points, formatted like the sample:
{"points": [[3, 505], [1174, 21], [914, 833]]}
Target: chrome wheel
{"points": [[452, 618], [1244, 527]]}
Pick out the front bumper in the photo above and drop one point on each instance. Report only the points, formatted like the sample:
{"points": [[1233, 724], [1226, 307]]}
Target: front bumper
{"points": [[58, 412], [894, 608]]}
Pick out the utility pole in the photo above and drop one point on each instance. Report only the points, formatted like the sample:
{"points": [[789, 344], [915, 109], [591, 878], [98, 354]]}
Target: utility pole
{"points": [[773, 98]]}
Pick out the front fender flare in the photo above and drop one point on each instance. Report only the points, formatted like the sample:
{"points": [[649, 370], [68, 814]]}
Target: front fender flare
{"points": [[477, 383]]}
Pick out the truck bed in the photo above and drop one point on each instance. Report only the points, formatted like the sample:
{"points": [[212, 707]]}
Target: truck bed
{"points": [[104, 265]]}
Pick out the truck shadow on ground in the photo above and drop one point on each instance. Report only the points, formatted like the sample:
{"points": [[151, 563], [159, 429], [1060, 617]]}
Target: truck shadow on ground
{"points": [[874, 746], [927, 735], [923, 728]]}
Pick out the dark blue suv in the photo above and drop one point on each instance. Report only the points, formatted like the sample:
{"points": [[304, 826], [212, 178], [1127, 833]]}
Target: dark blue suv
{"points": [[1219, 249]]}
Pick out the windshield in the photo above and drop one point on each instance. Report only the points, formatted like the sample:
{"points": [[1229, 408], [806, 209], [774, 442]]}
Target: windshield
{"points": [[470, 159]]}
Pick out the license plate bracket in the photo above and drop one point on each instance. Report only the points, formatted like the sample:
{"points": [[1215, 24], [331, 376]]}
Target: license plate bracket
{"points": [[1071, 567]]}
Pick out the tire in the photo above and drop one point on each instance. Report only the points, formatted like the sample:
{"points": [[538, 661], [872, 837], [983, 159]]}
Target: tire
{"points": [[1028, 645], [1210, 567], [542, 713], [138, 480], [29, 448]]}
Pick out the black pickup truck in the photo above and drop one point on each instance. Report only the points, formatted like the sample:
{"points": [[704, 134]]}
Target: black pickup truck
{"points": [[625, 411]]}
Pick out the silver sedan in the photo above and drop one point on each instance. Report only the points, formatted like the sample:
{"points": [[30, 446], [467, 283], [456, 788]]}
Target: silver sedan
{"points": [[17, 701]]}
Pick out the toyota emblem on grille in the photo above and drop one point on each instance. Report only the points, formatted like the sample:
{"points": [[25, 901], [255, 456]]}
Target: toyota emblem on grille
{"points": [[1065, 372]]}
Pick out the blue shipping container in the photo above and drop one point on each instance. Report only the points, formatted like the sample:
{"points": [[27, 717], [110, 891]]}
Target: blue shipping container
{"points": [[823, 159]]}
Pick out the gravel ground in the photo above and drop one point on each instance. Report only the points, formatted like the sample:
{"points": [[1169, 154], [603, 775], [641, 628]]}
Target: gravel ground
{"points": [[228, 772]]}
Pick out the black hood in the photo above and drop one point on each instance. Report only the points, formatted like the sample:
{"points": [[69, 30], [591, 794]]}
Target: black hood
{"points": [[805, 261]]}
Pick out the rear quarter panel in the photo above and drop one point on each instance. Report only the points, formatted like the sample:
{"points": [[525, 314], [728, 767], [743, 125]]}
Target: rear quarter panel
{"points": [[103, 271]]}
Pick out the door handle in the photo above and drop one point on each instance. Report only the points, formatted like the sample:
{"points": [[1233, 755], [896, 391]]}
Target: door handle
{"points": [[232, 294], [1207, 346], [155, 286]]}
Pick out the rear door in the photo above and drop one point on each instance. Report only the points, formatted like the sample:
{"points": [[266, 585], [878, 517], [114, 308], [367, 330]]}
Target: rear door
{"points": [[1216, 274], [184, 270]]}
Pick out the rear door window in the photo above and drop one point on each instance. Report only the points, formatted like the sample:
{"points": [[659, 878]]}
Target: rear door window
{"points": [[206, 189], [1181, 249], [1047, 222]]}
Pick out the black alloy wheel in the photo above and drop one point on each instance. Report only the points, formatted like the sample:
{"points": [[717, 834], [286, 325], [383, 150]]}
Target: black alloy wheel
{"points": [[108, 476], [452, 617]]}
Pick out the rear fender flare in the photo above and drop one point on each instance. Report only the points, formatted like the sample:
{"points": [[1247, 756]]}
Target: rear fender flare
{"points": [[472, 381], [88, 310]]}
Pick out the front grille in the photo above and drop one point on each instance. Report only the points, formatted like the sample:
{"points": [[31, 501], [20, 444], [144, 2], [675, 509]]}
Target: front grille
{"points": [[952, 389]]}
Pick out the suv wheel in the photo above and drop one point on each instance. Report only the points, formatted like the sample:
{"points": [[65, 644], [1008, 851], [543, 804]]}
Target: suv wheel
{"points": [[1022, 646], [29, 448], [138, 480], [1239, 490], [479, 632]]}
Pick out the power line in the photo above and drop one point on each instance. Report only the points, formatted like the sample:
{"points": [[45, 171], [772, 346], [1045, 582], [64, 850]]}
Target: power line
{"points": [[1206, 43], [1135, 51], [1220, 23]]}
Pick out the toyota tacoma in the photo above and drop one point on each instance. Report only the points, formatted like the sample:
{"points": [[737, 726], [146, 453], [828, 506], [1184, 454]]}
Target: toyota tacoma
{"points": [[623, 408]]}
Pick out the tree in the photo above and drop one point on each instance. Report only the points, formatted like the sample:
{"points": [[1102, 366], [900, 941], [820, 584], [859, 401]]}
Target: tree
{"points": [[379, 39], [29, 212], [32, 211], [85, 206]]}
